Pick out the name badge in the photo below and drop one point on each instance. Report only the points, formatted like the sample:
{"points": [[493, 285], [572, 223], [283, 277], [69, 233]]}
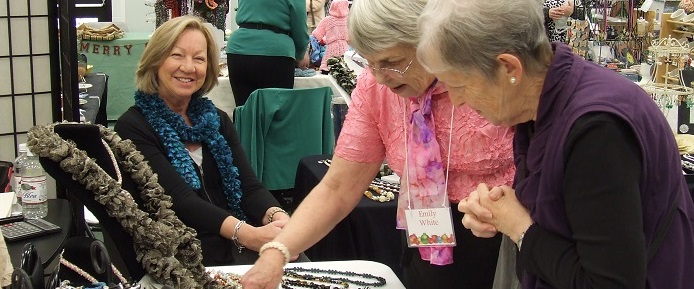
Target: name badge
{"points": [[430, 227]]}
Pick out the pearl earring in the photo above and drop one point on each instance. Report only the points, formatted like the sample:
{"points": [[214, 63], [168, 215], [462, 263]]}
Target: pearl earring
{"points": [[513, 80]]}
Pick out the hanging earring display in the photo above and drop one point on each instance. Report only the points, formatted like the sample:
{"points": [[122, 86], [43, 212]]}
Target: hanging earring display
{"points": [[670, 56]]}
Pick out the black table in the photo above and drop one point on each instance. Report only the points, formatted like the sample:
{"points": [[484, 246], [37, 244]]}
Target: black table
{"points": [[367, 233], [48, 246], [95, 108]]}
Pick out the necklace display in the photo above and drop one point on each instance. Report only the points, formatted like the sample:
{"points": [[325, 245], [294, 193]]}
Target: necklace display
{"points": [[309, 278], [381, 191], [166, 248]]}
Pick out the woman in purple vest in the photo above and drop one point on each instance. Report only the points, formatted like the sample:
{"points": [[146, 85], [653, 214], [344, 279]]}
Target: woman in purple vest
{"points": [[599, 200]]}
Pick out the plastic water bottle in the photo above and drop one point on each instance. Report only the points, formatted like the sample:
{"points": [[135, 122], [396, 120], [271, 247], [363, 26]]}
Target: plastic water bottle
{"points": [[34, 188], [17, 171]]}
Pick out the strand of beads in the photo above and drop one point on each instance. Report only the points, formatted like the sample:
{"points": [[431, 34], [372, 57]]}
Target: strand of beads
{"points": [[380, 196], [378, 281], [227, 280]]}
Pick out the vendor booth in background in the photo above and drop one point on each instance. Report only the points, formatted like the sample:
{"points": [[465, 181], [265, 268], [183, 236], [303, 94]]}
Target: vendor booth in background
{"points": [[115, 56]]}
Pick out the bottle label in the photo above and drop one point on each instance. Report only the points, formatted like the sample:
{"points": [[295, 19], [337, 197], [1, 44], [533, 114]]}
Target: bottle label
{"points": [[34, 190], [16, 183]]}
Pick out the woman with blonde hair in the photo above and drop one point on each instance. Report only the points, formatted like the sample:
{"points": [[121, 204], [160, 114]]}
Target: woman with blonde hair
{"points": [[193, 147]]}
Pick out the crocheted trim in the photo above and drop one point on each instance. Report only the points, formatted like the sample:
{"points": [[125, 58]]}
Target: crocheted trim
{"points": [[166, 248]]}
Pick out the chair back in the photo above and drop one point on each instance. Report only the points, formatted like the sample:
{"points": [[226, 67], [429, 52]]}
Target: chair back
{"points": [[277, 127], [88, 138]]}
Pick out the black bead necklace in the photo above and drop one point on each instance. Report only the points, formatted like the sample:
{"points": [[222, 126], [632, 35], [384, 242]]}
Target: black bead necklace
{"points": [[379, 281]]}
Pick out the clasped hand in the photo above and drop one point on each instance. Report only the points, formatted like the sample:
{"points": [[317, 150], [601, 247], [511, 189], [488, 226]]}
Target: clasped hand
{"points": [[496, 209]]}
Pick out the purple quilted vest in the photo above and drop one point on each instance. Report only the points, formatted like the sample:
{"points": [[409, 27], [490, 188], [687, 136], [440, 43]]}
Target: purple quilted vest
{"points": [[574, 87]]}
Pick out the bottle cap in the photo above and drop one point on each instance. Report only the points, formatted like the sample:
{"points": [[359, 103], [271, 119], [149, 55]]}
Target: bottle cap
{"points": [[23, 147], [29, 153]]}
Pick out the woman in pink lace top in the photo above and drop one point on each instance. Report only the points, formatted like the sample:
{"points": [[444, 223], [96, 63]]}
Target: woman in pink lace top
{"points": [[400, 113], [332, 31]]}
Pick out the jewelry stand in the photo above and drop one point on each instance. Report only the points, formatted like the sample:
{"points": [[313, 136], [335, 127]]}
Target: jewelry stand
{"points": [[668, 54], [88, 255]]}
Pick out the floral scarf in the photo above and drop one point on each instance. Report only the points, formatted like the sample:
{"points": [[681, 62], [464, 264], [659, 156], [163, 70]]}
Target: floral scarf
{"points": [[425, 178], [174, 132]]}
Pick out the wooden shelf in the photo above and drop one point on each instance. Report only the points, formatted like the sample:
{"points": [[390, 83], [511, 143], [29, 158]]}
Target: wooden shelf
{"points": [[670, 78], [683, 32]]}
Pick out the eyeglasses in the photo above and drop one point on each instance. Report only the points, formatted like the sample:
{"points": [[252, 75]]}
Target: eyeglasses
{"points": [[364, 64]]}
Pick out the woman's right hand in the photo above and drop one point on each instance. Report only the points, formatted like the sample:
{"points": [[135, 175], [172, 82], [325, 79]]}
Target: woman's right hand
{"points": [[254, 237], [266, 273]]}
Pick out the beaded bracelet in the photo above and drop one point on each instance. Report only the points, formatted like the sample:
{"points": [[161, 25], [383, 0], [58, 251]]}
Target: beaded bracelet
{"points": [[235, 236], [279, 246], [275, 211]]}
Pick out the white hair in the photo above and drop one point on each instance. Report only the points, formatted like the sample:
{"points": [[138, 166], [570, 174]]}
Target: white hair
{"points": [[376, 25], [468, 35]]}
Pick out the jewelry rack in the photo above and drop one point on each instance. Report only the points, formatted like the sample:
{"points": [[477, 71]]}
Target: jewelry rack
{"points": [[668, 54]]}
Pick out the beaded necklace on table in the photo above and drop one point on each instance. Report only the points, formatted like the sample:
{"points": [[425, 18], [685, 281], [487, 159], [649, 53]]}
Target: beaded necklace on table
{"points": [[306, 280]]}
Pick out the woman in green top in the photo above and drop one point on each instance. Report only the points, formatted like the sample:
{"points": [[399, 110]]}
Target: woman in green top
{"points": [[262, 53]]}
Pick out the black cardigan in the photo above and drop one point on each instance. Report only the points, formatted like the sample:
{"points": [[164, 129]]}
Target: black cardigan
{"points": [[204, 209]]}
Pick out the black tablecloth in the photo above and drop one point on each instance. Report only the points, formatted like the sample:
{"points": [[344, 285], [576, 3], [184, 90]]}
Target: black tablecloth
{"points": [[95, 108], [367, 233]]}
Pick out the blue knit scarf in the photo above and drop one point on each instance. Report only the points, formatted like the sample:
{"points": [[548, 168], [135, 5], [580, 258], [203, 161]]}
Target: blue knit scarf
{"points": [[174, 132]]}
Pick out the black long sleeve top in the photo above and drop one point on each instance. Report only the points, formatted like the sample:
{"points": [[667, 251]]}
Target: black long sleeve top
{"points": [[204, 209], [603, 206]]}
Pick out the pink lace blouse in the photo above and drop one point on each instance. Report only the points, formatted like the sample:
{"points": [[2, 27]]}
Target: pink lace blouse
{"points": [[373, 130]]}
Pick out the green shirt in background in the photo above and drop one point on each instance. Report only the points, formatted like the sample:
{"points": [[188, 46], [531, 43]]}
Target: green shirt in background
{"points": [[288, 15]]}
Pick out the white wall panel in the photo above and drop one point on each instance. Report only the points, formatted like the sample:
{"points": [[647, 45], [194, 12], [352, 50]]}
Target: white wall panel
{"points": [[39, 31], [43, 108], [7, 148], [19, 28], [23, 107], [19, 8], [4, 37], [5, 73], [39, 7], [42, 73], [6, 115], [21, 73]]}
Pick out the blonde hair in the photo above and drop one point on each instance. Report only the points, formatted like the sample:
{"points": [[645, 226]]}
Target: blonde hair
{"points": [[159, 47]]}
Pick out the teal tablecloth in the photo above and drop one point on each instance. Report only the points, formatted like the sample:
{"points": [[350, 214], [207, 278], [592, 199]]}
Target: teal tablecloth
{"points": [[118, 59]]}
